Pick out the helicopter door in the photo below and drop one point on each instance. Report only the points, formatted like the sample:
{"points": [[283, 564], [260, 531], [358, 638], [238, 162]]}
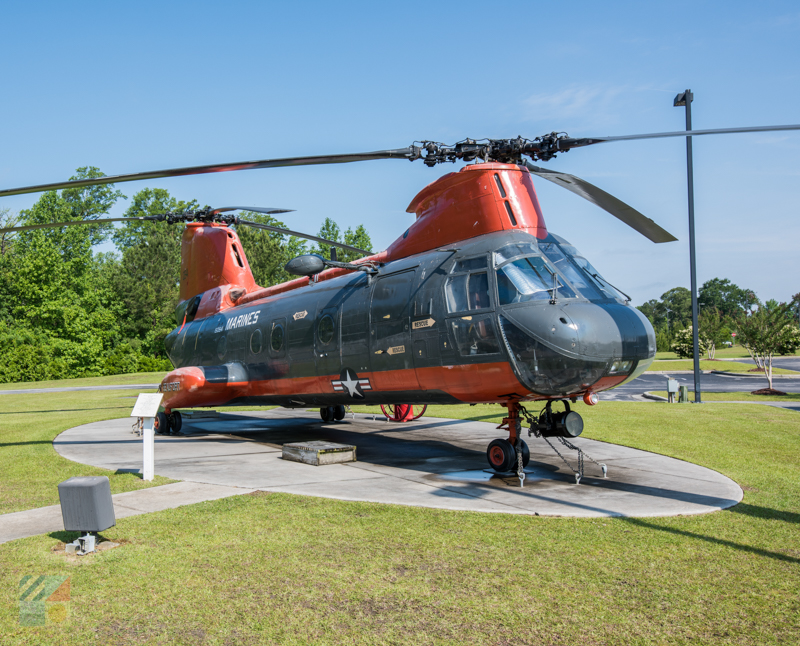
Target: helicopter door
{"points": [[326, 341], [390, 334], [354, 335]]}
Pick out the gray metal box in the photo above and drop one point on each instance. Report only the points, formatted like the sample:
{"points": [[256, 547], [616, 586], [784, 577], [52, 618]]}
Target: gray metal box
{"points": [[86, 504]]}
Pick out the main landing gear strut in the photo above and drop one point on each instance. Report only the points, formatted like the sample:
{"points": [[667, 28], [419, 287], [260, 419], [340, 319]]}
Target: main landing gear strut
{"points": [[513, 453]]}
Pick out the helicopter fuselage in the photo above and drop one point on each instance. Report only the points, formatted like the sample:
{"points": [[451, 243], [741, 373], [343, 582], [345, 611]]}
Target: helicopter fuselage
{"points": [[501, 317]]}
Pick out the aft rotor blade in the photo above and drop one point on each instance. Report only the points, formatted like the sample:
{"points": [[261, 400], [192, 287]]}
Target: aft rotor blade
{"points": [[332, 243], [401, 153], [255, 209], [58, 225], [586, 141], [605, 201]]}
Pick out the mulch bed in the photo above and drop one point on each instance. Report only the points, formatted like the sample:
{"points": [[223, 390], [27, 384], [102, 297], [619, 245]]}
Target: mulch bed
{"points": [[768, 391]]}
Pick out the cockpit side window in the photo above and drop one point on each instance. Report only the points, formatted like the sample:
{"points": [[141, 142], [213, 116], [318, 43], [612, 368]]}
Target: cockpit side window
{"points": [[469, 289]]}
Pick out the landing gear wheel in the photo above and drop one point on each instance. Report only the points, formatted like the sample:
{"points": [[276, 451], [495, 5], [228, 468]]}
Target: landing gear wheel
{"points": [[338, 412], [326, 413], [161, 424], [502, 456], [175, 422]]}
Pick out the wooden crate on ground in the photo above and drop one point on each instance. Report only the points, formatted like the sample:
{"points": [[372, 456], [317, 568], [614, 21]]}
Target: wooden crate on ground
{"points": [[319, 453]]}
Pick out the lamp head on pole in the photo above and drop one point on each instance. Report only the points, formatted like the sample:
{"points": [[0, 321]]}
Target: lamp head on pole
{"points": [[682, 98]]}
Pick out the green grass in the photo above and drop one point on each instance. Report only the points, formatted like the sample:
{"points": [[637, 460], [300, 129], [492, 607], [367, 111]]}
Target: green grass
{"points": [[672, 365], [736, 352], [282, 569], [31, 468], [113, 380], [740, 397]]}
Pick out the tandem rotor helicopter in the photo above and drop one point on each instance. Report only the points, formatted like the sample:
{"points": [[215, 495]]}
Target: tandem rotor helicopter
{"points": [[476, 302]]}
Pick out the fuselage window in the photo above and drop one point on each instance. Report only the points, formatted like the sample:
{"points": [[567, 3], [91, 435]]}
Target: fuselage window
{"points": [[529, 279], [276, 338], [593, 275], [475, 335], [325, 329], [255, 342], [468, 292], [222, 347], [469, 264]]}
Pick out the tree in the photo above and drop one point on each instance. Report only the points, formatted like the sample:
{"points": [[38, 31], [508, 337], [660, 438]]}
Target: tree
{"points": [[147, 278], [330, 231], [655, 311], [267, 251], [683, 344], [728, 298], [359, 239], [678, 306], [764, 331], [150, 201], [59, 318], [712, 328]]}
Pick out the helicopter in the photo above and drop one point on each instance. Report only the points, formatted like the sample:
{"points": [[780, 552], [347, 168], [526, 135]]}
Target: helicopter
{"points": [[476, 302]]}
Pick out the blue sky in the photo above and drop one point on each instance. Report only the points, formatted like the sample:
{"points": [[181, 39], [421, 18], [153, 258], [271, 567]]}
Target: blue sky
{"points": [[142, 86]]}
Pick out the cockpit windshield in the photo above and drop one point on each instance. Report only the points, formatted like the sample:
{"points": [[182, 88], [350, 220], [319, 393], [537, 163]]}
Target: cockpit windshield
{"points": [[588, 281], [529, 279]]}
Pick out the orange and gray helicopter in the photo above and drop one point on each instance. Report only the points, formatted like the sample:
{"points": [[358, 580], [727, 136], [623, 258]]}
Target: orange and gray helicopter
{"points": [[476, 302]]}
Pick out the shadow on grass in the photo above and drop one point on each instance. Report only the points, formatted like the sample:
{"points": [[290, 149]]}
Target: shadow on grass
{"points": [[639, 522], [765, 512], [60, 410], [68, 537]]}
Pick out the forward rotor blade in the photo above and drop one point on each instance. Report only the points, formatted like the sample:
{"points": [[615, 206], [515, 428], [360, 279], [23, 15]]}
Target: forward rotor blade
{"points": [[586, 141], [58, 225], [605, 201], [255, 209], [401, 153], [304, 235]]}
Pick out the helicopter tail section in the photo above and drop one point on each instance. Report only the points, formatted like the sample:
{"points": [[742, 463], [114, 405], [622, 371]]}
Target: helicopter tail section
{"points": [[214, 270]]}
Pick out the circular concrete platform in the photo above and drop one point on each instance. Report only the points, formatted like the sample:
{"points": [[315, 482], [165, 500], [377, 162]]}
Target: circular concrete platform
{"points": [[429, 463]]}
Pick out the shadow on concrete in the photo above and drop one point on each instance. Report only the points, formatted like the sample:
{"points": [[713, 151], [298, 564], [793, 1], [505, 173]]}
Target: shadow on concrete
{"points": [[378, 448]]}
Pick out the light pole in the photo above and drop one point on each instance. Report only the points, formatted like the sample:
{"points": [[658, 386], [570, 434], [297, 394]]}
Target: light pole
{"points": [[685, 99]]}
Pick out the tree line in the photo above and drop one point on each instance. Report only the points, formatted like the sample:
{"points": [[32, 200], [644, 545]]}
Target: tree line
{"points": [[68, 311], [724, 310]]}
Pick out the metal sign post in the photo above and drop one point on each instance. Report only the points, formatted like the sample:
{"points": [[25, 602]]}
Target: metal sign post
{"points": [[147, 407]]}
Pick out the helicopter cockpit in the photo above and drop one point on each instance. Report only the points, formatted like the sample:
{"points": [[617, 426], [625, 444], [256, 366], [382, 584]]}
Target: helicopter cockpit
{"points": [[557, 340]]}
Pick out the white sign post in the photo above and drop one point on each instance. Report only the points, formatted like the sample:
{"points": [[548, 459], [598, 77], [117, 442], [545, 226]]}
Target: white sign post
{"points": [[147, 408]]}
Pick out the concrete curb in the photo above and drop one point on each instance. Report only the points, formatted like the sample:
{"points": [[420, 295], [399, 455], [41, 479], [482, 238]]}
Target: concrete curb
{"points": [[22, 524]]}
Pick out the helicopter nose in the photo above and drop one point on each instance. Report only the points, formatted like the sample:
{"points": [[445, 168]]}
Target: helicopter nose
{"points": [[568, 348]]}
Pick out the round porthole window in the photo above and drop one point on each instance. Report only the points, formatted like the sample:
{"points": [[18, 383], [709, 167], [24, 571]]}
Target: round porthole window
{"points": [[222, 346], [325, 329], [255, 342], [276, 338]]}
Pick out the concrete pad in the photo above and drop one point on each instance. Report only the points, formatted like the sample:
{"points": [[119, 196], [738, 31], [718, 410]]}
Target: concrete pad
{"points": [[22, 524], [431, 463]]}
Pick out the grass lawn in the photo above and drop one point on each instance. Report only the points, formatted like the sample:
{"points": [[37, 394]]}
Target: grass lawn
{"points": [[736, 352], [283, 569], [31, 469], [740, 397], [113, 380], [726, 366]]}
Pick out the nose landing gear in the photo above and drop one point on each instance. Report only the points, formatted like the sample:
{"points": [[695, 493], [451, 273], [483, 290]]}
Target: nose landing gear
{"points": [[513, 453]]}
